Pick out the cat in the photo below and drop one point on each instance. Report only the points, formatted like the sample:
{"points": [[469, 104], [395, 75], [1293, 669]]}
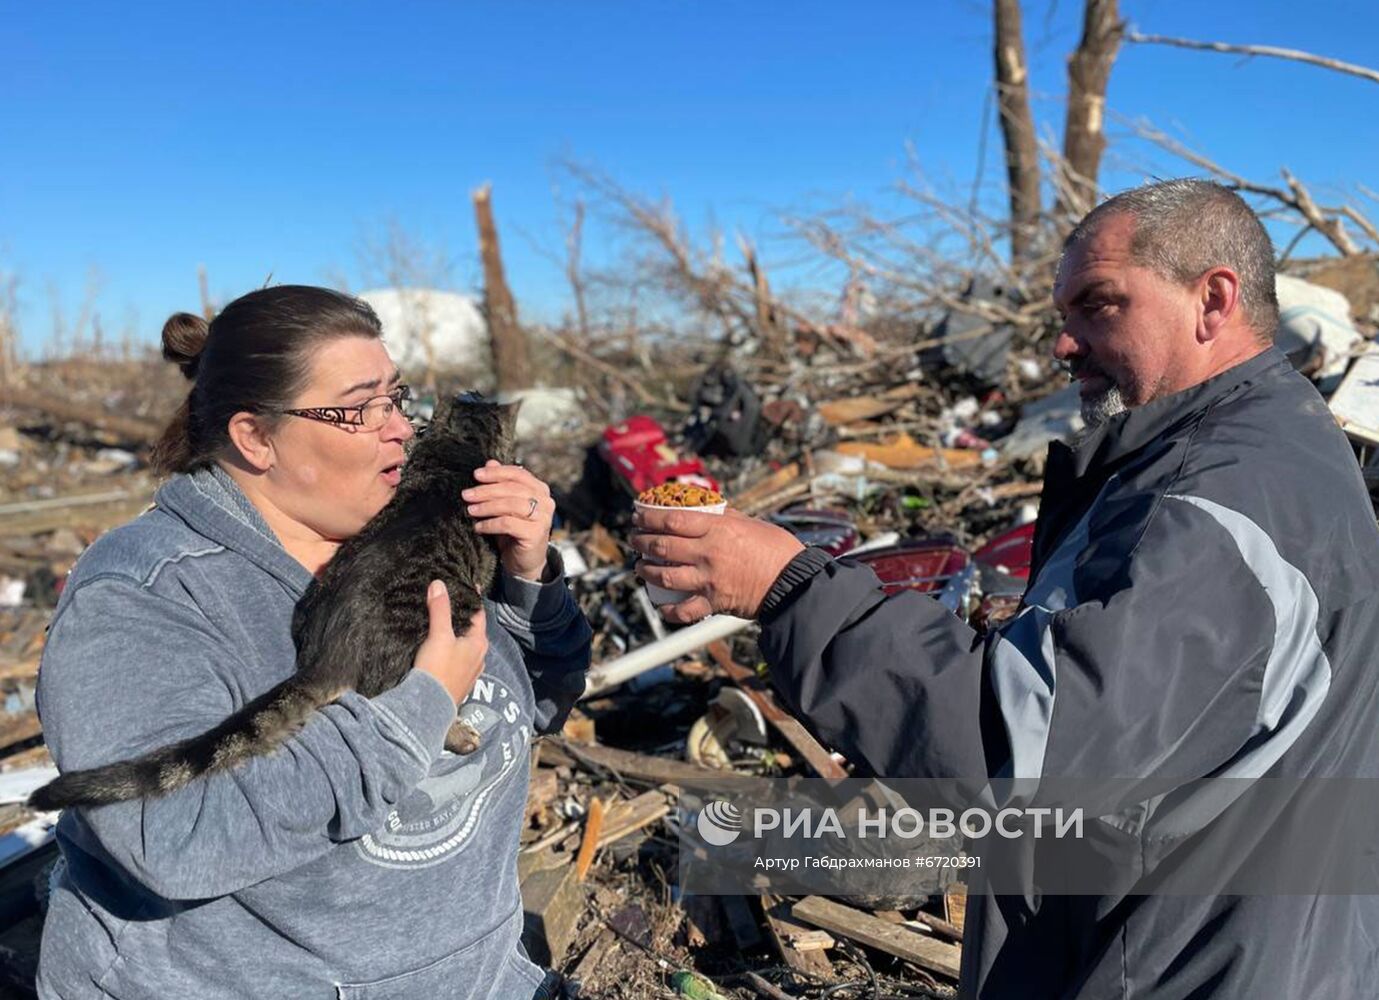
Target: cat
{"points": [[359, 624]]}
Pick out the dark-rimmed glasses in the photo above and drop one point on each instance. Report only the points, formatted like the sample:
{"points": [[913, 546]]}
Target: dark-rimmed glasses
{"points": [[370, 415]]}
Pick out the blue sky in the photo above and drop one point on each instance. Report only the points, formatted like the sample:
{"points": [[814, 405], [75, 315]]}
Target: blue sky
{"points": [[138, 141]]}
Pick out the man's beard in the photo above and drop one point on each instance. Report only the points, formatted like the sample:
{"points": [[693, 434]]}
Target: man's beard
{"points": [[1102, 406]]}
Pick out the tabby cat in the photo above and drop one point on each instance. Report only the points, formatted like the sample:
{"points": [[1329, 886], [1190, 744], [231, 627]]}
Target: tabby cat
{"points": [[359, 624]]}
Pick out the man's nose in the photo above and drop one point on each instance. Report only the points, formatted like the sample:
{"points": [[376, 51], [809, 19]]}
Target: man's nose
{"points": [[1067, 347]]}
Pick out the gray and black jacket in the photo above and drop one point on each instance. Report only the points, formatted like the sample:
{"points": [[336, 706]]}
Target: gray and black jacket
{"points": [[1204, 603]]}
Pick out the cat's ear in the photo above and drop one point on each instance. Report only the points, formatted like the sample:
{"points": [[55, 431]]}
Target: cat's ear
{"points": [[507, 418], [444, 407]]}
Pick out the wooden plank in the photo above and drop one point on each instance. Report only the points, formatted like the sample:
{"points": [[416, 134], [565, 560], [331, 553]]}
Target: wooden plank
{"points": [[626, 764], [900, 941], [837, 412], [634, 814], [955, 905], [126, 430], [552, 902], [767, 485], [782, 929], [593, 829], [941, 928], [775, 501], [783, 722], [904, 452], [812, 941]]}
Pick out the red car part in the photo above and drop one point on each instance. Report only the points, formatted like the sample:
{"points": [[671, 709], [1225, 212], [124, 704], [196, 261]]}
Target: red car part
{"points": [[640, 455]]}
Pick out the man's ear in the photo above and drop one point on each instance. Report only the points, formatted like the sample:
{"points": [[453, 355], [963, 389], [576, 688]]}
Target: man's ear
{"points": [[1220, 300], [249, 434]]}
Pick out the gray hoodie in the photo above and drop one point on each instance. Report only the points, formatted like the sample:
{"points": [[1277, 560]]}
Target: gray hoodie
{"points": [[360, 861]]}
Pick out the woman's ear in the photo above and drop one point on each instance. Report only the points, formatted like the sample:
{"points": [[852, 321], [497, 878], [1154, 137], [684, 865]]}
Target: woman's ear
{"points": [[249, 435]]}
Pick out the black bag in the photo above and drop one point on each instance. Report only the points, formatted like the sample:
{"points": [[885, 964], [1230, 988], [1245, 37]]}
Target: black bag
{"points": [[726, 419]]}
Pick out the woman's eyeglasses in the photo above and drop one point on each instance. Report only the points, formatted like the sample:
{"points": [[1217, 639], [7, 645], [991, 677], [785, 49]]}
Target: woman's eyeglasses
{"points": [[371, 414]]}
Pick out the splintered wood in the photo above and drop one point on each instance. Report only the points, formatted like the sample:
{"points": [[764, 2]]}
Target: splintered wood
{"points": [[787, 934], [623, 818], [838, 412], [893, 939], [903, 452]]}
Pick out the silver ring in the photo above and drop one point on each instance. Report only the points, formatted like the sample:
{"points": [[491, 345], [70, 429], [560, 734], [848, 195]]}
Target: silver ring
{"points": [[532, 509]]}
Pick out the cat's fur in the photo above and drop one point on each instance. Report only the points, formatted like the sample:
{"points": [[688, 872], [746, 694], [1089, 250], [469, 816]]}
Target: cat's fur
{"points": [[359, 624]]}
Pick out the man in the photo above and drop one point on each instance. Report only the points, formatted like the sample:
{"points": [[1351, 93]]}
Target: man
{"points": [[1204, 602]]}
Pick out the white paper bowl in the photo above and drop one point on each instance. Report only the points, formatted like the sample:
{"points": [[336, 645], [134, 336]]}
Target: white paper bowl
{"points": [[664, 595]]}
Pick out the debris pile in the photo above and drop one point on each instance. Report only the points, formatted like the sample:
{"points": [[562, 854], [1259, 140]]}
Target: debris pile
{"points": [[921, 459]]}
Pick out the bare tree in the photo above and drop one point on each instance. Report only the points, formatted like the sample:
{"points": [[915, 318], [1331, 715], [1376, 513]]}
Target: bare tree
{"points": [[574, 248], [9, 327], [203, 285], [1017, 129], [1327, 220], [1295, 55], [769, 329], [1084, 135], [671, 262], [511, 356]]}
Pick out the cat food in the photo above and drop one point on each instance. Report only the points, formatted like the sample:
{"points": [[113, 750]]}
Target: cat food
{"points": [[679, 495], [688, 497]]}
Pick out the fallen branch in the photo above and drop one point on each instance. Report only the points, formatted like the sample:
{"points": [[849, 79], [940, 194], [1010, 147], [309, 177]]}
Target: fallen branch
{"points": [[604, 368], [1273, 52], [1324, 219]]}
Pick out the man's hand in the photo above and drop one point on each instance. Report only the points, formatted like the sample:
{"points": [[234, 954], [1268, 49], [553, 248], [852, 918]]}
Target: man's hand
{"points": [[728, 561], [517, 507]]}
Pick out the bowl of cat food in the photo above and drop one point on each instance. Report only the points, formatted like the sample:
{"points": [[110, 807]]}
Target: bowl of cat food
{"points": [[676, 496]]}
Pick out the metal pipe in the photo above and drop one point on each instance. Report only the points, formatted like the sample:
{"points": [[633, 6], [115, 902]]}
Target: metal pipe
{"points": [[686, 640]]}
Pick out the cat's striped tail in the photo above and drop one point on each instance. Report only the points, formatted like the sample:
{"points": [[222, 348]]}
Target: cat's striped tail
{"points": [[260, 727]]}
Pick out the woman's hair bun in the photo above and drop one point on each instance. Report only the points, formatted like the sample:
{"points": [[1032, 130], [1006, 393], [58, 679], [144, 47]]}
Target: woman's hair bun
{"points": [[184, 338]]}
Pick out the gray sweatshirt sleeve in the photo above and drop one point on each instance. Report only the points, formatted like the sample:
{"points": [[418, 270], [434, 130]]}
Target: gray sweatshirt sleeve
{"points": [[126, 671], [1176, 662], [555, 638]]}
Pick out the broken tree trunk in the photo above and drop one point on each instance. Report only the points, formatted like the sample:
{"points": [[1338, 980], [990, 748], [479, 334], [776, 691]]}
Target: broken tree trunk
{"points": [[119, 429], [768, 325], [203, 283], [1017, 129], [511, 356], [1084, 135]]}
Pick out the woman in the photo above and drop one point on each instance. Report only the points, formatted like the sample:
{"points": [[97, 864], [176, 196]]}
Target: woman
{"points": [[361, 861]]}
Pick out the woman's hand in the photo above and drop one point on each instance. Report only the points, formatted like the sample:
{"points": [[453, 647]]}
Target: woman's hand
{"points": [[517, 507], [455, 661]]}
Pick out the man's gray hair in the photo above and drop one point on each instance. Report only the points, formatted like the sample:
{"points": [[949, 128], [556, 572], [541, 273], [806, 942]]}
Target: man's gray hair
{"points": [[1185, 227]]}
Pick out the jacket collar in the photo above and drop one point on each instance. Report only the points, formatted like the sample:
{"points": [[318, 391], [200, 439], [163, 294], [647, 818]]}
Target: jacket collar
{"points": [[1128, 432], [212, 505]]}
